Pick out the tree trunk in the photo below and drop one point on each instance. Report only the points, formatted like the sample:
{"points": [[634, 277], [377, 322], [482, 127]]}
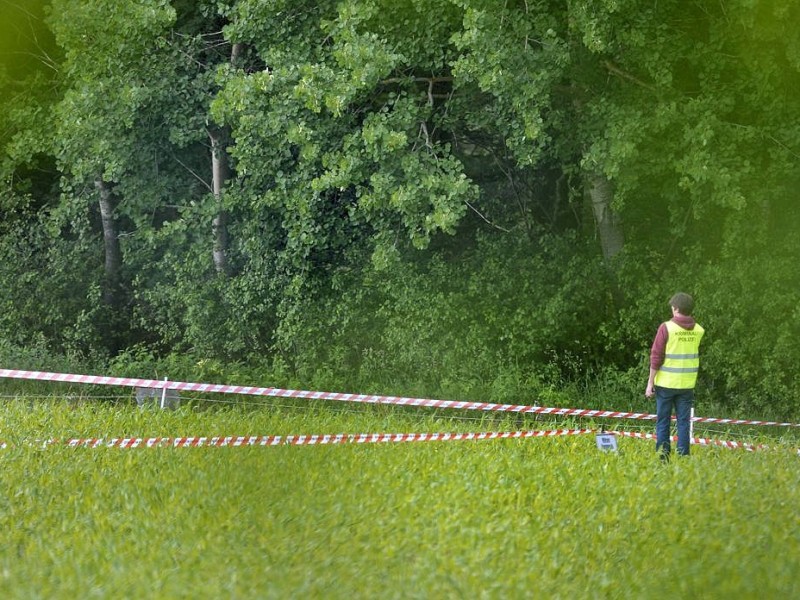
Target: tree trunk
{"points": [[113, 254], [220, 172], [608, 223]]}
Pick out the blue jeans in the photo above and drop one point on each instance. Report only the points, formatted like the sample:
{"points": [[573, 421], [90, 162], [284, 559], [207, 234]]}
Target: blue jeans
{"points": [[680, 401]]}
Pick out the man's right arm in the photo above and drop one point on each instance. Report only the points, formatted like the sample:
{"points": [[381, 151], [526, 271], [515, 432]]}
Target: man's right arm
{"points": [[657, 352], [650, 390]]}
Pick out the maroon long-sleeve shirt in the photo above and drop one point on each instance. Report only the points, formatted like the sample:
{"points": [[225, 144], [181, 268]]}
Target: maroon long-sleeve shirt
{"points": [[659, 348]]}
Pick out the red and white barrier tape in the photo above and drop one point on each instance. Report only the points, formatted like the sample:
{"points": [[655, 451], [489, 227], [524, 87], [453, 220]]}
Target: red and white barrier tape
{"points": [[697, 441], [361, 398], [346, 438], [732, 444], [297, 440]]}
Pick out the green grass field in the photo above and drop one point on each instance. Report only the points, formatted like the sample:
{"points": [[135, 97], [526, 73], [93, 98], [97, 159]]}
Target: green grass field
{"points": [[544, 517]]}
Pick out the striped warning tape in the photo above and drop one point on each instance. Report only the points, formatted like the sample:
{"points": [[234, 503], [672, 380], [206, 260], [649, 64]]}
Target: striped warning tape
{"points": [[315, 440], [295, 440], [700, 441], [344, 438], [361, 398]]}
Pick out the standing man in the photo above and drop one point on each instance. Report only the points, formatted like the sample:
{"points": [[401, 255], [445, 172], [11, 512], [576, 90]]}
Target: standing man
{"points": [[674, 362]]}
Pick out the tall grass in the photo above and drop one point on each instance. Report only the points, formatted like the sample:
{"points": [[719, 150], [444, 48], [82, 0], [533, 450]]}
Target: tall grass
{"points": [[546, 517]]}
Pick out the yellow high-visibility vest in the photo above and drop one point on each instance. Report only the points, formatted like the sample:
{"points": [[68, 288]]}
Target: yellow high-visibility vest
{"points": [[682, 357]]}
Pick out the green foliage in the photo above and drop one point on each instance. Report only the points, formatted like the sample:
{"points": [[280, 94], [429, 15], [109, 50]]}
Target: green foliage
{"points": [[182, 305], [358, 162], [462, 328], [407, 203], [112, 69], [754, 370], [49, 294]]}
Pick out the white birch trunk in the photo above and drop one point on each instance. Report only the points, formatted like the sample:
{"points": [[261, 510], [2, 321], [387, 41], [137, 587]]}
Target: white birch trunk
{"points": [[113, 253], [608, 223]]}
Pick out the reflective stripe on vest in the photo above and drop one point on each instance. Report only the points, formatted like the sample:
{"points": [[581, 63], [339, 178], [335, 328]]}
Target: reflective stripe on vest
{"points": [[682, 357]]}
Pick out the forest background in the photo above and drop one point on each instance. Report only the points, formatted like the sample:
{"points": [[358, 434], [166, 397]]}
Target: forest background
{"points": [[474, 199]]}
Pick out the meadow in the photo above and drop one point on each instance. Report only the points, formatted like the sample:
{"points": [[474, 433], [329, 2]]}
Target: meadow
{"points": [[542, 517]]}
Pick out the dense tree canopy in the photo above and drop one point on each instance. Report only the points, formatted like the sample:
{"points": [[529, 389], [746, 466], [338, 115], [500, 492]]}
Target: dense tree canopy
{"points": [[408, 190]]}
